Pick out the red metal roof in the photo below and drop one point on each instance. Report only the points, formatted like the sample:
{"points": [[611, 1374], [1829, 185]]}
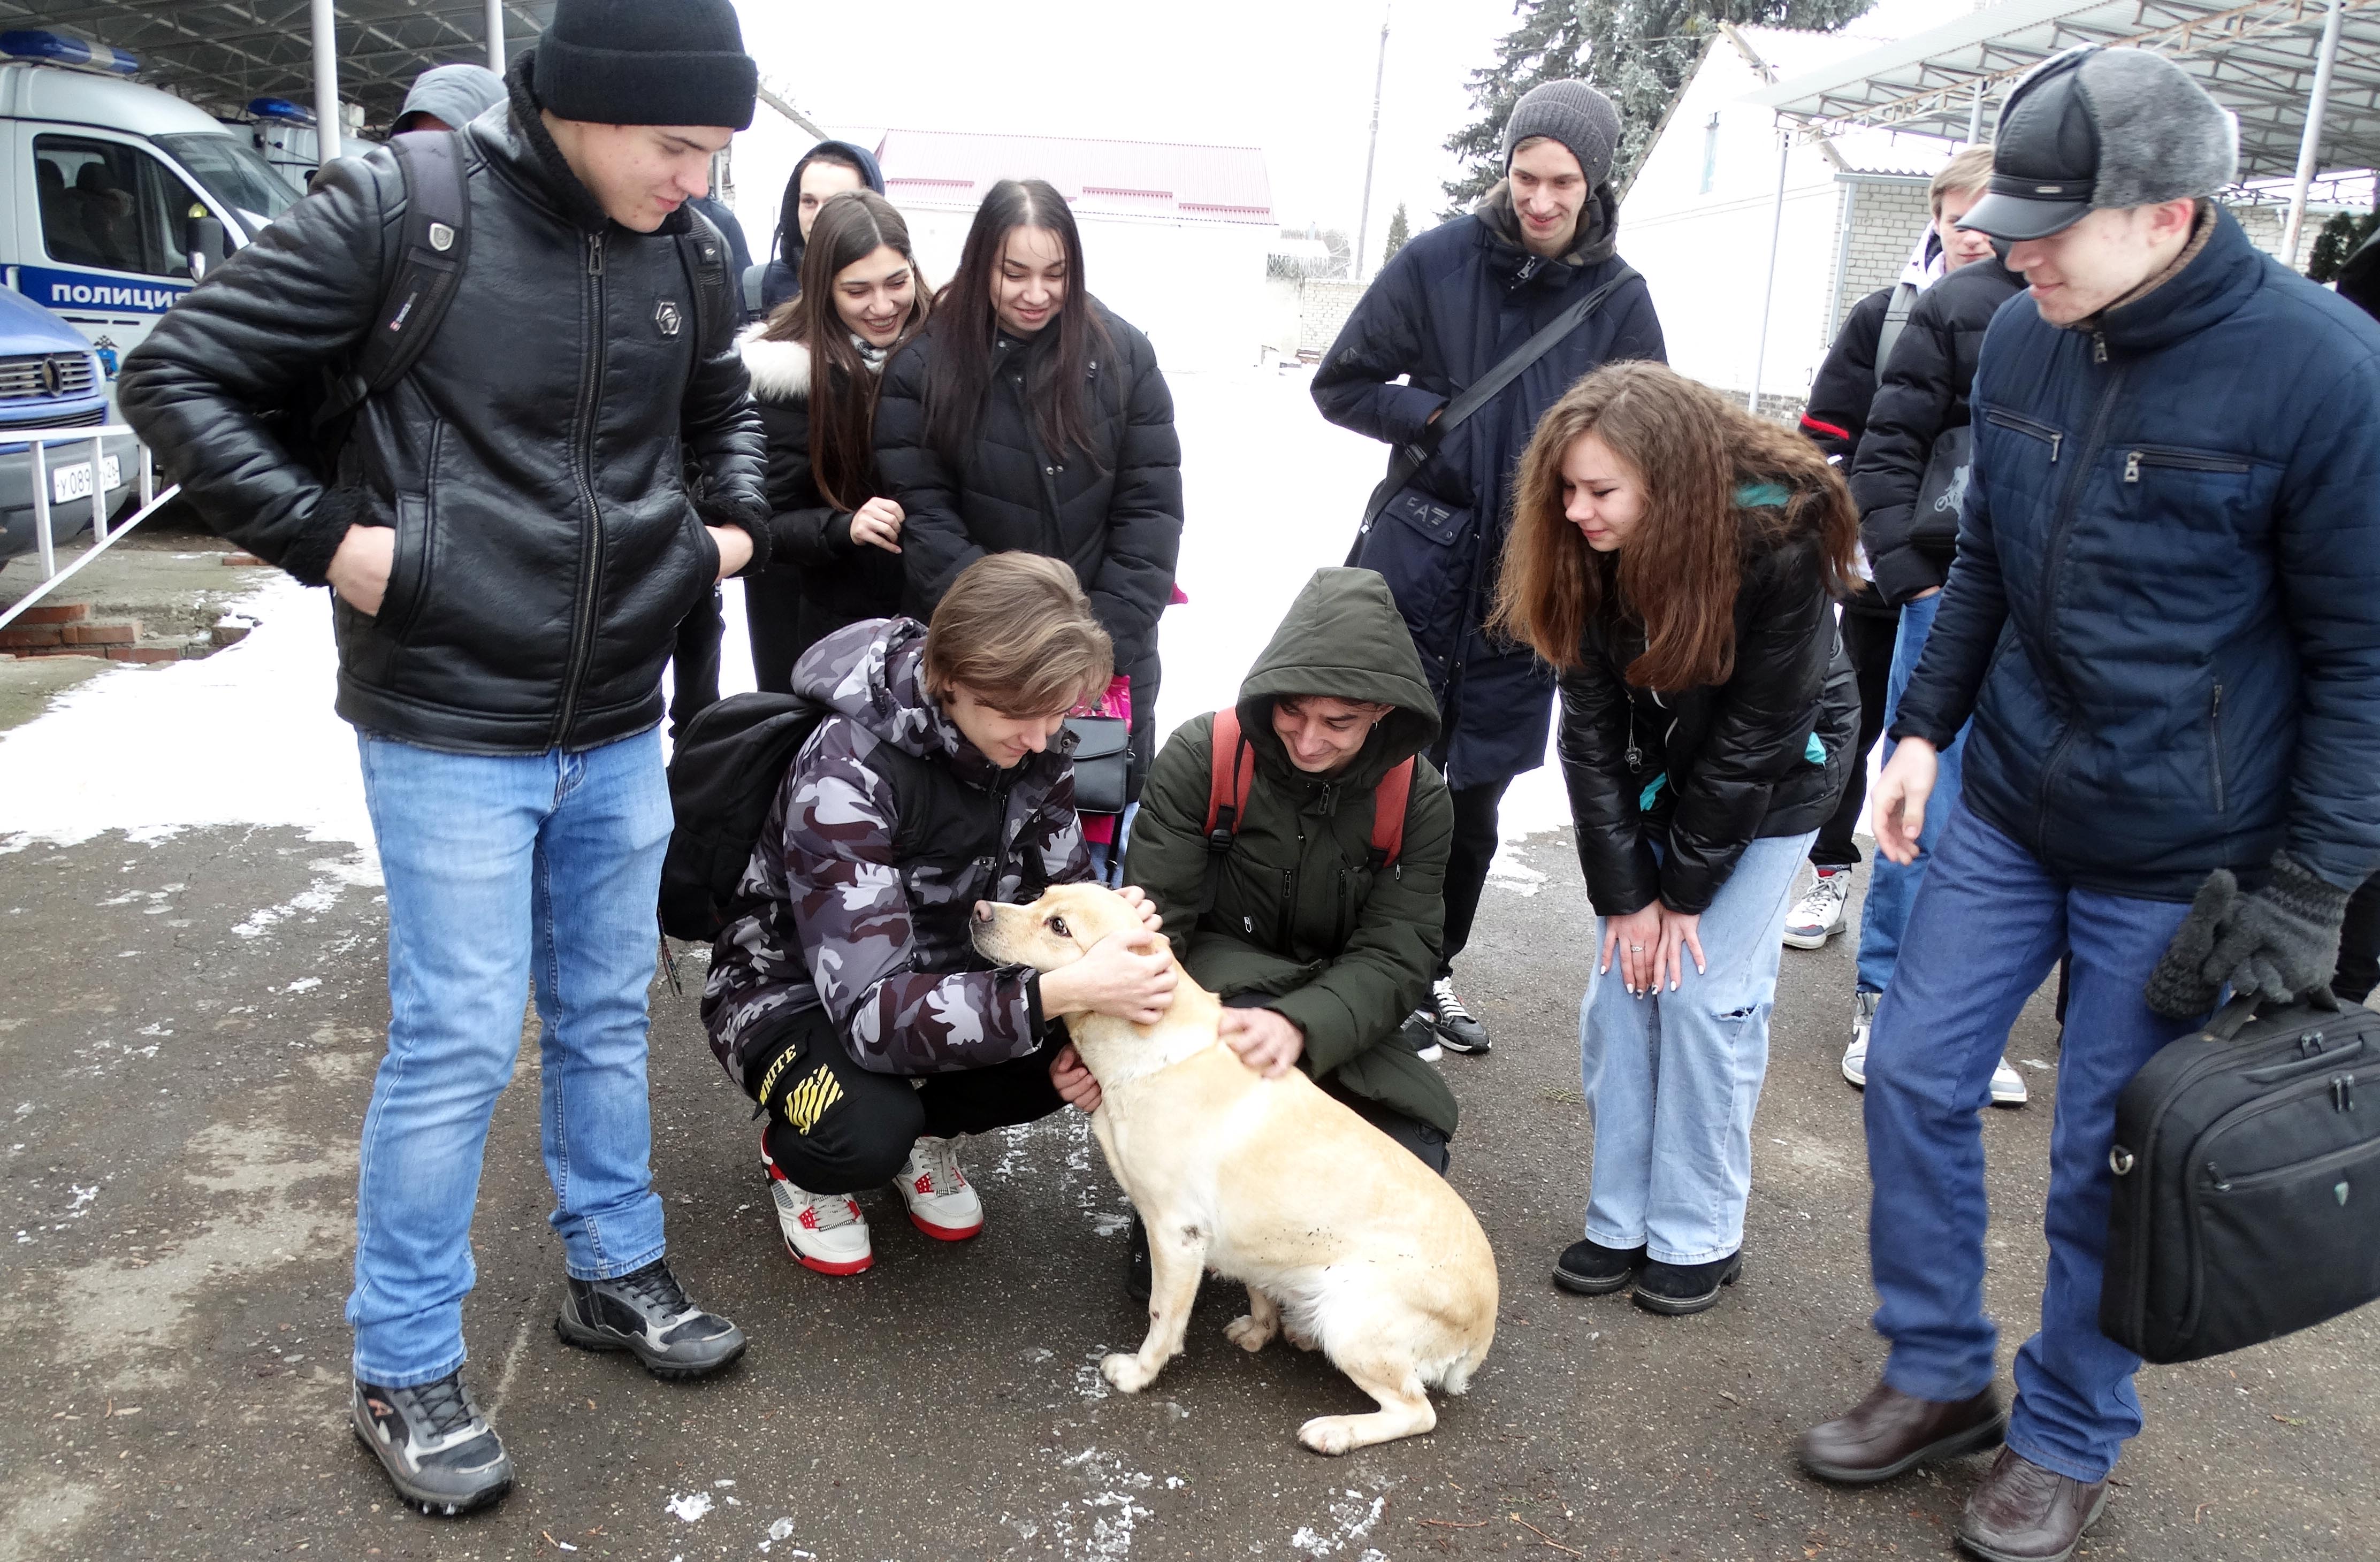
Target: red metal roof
{"points": [[1175, 181]]}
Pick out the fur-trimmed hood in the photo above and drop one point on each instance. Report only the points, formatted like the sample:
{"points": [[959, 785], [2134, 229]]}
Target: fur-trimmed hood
{"points": [[780, 370]]}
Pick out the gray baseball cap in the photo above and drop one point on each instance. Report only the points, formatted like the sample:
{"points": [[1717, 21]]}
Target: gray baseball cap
{"points": [[2096, 128]]}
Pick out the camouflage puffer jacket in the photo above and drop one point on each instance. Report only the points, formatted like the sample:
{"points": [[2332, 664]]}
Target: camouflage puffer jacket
{"points": [[889, 828]]}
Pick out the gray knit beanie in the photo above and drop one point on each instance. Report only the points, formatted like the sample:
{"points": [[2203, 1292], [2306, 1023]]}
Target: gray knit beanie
{"points": [[1574, 114], [2096, 128]]}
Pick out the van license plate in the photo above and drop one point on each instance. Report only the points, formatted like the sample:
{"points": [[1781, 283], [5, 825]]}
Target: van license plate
{"points": [[74, 482]]}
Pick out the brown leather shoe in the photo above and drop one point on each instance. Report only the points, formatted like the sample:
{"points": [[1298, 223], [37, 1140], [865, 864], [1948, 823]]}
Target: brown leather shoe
{"points": [[2021, 1512], [1889, 1433]]}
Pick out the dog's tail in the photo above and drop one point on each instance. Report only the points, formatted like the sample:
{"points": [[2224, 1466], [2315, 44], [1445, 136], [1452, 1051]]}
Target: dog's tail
{"points": [[1456, 1376]]}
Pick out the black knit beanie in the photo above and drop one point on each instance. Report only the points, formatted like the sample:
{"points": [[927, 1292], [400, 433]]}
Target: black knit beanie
{"points": [[647, 62]]}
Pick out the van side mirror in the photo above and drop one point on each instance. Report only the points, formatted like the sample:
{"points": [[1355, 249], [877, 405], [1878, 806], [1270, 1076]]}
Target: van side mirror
{"points": [[206, 244]]}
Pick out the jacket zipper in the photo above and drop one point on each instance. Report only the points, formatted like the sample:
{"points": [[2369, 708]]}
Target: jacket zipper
{"points": [[2187, 460], [590, 569], [2215, 744], [2027, 426], [2053, 572]]}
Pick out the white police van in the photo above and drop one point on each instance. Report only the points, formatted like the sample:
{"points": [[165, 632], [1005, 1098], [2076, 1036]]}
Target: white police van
{"points": [[114, 197]]}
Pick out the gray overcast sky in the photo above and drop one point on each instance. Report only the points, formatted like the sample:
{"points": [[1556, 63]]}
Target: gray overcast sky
{"points": [[1293, 77]]}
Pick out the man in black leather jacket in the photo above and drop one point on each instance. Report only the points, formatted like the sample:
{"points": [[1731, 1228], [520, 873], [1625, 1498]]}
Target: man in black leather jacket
{"points": [[512, 545]]}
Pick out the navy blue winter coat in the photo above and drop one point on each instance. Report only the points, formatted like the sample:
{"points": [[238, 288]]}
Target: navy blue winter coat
{"points": [[2165, 610], [1442, 313]]}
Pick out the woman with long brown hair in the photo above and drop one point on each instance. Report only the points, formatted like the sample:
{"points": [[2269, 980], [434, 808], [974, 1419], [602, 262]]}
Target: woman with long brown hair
{"points": [[1677, 562], [816, 364]]}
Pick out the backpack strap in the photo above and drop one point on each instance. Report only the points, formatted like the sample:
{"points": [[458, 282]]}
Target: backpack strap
{"points": [[755, 275], [1388, 801], [1896, 317], [436, 244], [1232, 771], [703, 250]]}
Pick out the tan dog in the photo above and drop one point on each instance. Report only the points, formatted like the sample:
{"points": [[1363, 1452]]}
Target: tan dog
{"points": [[1346, 1241]]}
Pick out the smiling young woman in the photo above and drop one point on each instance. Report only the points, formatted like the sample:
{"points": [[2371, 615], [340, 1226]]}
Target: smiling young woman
{"points": [[1677, 561], [816, 365]]}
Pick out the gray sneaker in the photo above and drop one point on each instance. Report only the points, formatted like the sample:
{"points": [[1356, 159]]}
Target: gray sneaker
{"points": [[439, 1450], [1855, 1055], [646, 1313]]}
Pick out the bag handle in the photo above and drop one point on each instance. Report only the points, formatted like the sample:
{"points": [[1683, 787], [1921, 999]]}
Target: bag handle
{"points": [[2235, 1015], [1413, 456]]}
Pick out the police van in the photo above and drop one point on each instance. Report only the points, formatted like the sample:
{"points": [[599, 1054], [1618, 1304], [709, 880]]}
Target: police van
{"points": [[115, 197]]}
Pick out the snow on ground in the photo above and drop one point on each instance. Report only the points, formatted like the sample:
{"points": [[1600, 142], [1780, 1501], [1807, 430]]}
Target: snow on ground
{"points": [[248, 737]]}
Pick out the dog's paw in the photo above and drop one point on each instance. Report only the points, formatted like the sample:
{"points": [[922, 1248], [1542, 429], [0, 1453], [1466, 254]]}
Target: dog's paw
{"points": [[1248, 1334], [1126, 1371], [1328, 1434], [1303, 1341]]}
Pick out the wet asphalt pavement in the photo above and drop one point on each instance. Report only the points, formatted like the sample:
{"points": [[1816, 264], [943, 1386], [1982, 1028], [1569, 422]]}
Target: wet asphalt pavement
{"points": [[185, 1046]]}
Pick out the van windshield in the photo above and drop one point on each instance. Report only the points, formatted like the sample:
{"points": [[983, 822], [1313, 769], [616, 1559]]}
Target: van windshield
{"points": [[234, 174]]}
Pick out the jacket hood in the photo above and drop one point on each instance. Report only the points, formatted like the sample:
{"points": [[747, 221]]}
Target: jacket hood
{"points": [[453, 94], [1343, 638], [873, 673], [789, 244], [780, 370], [1598, 224]]}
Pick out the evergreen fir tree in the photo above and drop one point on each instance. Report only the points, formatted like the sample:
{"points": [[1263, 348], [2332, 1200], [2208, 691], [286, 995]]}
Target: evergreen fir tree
{"points": [[1400, 230], [2338, 239], [1637, 52]]}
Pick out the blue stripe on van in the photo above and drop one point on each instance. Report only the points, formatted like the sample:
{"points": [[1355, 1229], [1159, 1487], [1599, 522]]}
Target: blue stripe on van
{"points": [[96, 290]]}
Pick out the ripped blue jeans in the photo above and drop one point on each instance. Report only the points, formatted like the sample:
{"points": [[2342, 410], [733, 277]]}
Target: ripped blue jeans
{"points": [[1672, 1078]]}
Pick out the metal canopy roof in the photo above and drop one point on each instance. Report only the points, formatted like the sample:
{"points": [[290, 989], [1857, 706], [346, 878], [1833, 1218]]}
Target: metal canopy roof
{"points": [[2257, 60], [226, 51]]}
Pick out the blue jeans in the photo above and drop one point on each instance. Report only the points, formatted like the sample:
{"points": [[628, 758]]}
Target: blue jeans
{"points": [[1671, 1079], [1890, 886], [503, 871], [1988, 927]]}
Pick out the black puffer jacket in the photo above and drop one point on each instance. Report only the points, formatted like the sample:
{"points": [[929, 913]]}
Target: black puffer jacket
{"points": [[1836, 415], [1113, 513], [1734, 759], [1923, 397], [817, 579], [532, 464]]}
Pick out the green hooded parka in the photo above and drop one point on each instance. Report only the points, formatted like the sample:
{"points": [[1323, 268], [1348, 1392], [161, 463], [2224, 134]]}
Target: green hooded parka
{"points": [[1299, 916]]}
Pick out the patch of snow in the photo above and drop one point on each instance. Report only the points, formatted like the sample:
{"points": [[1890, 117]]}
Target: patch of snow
{"points": [[1352, 1518], [691, 1507]]}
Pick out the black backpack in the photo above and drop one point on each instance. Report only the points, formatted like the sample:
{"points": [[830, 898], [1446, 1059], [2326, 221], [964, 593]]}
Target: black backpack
{"points": [[2247, 1188], [729, 764], [436, 243]]}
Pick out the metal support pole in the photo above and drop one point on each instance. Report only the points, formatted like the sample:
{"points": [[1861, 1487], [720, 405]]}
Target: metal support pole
{"points": [[41, 539], [1768, 287], [326, 81], [2310, 146], [1975, 115], [98, 489], [1371, 151], [148, 479], [496, 36]]}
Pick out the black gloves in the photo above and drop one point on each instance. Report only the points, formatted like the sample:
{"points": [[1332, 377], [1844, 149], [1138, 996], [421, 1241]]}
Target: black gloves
{"points": [[2274, 946]]}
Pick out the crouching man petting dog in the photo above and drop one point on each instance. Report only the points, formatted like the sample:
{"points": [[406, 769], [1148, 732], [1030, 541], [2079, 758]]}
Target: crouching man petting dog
{"points": [[1347, 1243], [849, 1002]]}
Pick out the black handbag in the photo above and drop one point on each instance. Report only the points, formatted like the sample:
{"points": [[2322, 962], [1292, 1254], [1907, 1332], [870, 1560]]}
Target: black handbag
{"points": [[1943, 488], [2247, 1188], [1103, 755]]}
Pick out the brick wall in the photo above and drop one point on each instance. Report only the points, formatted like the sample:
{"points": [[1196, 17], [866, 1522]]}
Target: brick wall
{"points": [[1323, 307], [1885, 218]]}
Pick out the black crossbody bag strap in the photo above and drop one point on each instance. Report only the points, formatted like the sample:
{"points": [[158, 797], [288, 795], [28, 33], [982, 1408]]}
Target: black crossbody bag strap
{"points": [[1411, 457], [437, 243]]}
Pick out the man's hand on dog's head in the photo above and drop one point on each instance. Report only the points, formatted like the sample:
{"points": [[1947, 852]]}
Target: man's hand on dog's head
{"points": [[1137, 899], [1125, 976], [1265, 1039]]}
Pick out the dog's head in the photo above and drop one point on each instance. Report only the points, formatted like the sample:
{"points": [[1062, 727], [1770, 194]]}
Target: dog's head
{"points": [[1055, 930]]}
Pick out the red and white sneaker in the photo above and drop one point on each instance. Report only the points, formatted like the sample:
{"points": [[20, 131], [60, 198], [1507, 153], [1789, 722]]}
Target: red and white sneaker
{"points": [[823, 1231], [942, 1202]]}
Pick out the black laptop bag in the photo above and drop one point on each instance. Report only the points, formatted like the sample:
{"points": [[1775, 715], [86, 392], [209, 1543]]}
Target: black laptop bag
{"points": [[2247, 1193]]}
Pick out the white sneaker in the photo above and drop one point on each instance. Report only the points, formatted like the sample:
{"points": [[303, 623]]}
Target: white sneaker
{"points": [[942, 1202], [823, 1231], [1818, 915], [1855, 1055], [2007, 1085]]}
